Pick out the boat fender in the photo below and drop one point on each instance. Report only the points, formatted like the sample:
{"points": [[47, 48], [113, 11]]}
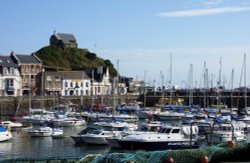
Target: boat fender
{"points": [[204, 159], [195, 130], [231, 144], [170, 159], [9, 128], [186, 130]]}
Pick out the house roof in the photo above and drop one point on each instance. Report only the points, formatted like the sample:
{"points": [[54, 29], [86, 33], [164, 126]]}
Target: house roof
{"points": [[6, 61], [68, 74], [98, 72], [66, 38], [22, 58]]}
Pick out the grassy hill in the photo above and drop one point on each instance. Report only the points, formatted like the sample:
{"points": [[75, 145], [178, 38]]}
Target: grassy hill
{"points": [[72, 59]]}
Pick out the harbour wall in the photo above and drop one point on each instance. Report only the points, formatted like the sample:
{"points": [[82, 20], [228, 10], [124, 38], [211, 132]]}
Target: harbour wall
{"points": [[21, 104]]}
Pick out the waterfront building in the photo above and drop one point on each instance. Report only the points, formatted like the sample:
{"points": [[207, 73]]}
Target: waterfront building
{"points": [[30, 67], [10, 79], [101, 84], [67, 83]]}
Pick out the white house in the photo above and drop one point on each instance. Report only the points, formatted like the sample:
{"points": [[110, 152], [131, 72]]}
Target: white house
{"points": [[101, 84], [67, 83], [10, 79]]}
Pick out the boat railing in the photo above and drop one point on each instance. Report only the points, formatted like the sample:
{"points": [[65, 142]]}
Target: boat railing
{"points": [[191, 131]]}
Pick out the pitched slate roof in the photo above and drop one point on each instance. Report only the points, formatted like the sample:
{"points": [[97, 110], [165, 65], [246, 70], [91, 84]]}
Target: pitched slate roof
{"points": [[66, 38], [6, 61], [26, 58], [68, 74]]}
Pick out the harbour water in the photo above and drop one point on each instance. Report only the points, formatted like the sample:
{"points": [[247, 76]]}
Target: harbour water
{"points": [[23, 146]]}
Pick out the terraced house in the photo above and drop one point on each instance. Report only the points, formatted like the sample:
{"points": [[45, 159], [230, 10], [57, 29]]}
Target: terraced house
{"points": [[30, 68], [10, 79]]}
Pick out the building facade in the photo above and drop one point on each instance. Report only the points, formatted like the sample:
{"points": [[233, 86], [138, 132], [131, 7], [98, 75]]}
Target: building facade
{"points": [[100, 80], [10, 79], [67, 83], [30, 68]]}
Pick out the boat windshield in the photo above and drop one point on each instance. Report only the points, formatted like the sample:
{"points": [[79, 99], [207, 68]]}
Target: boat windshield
{"points": [[95, 132], [165, 130]]}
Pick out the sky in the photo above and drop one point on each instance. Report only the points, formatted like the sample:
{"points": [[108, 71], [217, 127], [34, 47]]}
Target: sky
{"points": [[139, 36]]}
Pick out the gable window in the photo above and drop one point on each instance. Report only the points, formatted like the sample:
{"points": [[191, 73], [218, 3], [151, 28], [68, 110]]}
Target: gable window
{"points": [[11, 71], [5, 71]]}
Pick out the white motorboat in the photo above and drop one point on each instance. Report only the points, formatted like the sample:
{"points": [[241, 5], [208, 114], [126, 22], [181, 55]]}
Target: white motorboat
{"points": [[67, 122], [12, 125], [224, 132], [41, 132], [57, 133], [98, 137], [169, 137], [5, 135]]}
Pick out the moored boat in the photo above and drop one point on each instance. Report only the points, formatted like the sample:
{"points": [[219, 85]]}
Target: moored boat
{"points": [[5, 135], [41, 132], [169, 137]]}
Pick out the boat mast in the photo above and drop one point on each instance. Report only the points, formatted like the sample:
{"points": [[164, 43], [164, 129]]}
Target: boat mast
{"points": [[190, 84], [29, 93], [219, 86], [231, 88], [204, 78], [245, 85], [145, 89], [170, 81]]}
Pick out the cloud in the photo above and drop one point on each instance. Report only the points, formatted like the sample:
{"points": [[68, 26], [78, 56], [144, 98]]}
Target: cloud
{"points": [[203, 12], [212, 3]]}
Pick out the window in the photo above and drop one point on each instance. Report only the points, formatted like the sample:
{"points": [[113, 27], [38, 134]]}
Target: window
{"points": [[11, 71], [71, 84], [81, 84], [32, 69], [49, 78], [77, 92], [66, 84], [5, 71], [87, 92], [10, 83], [57, 78], [87, 84], [175, 131], [37, 69], [27, 69], [66, 93]]}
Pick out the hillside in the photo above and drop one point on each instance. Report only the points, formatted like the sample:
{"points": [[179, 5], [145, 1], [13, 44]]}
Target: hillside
{"points": [[72, 59]]}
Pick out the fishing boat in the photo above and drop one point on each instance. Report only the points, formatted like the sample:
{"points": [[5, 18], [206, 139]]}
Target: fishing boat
{"points": [[169, 137], [5, 135]]}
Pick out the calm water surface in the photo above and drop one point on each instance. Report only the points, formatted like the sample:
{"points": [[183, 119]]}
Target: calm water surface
{"points": [[23, 146]]}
